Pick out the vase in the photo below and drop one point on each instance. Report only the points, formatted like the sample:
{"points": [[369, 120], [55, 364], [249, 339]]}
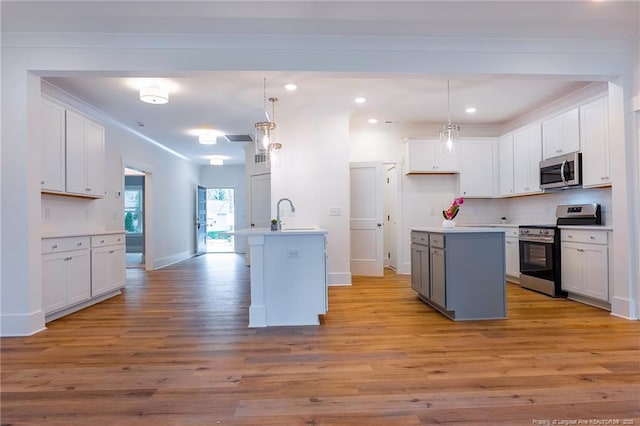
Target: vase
{"points": [[448, 223], [274, 226]]}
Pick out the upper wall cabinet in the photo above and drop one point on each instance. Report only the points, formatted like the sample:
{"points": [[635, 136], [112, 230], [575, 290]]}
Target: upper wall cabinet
{"points": [[477, 170], [594, 128], [53, 147], [72, 149], [85, 156], [427, 156], [505, 162], [527, 153], [561, 134]]}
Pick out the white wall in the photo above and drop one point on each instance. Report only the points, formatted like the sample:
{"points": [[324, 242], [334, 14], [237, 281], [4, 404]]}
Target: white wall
{"points": [[313, 171], [231, 176]]}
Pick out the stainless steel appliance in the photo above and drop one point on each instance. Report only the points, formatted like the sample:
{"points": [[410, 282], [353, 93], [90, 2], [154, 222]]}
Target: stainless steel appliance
{"points": [[561, 172], [540, 259], [540, 255]]}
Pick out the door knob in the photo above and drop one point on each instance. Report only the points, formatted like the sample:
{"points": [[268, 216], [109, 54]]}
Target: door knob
{"points": [[379, 224]]}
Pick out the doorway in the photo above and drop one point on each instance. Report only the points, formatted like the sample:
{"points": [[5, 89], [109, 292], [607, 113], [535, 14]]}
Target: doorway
{"points": [[220, 205], [134, 217]]}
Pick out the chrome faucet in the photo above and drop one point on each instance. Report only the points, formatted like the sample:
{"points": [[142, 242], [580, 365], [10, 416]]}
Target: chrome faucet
{"points": [[293, 209]]}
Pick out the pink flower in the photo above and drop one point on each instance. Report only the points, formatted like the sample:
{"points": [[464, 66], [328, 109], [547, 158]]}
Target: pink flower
{"points": [[453, 210]]}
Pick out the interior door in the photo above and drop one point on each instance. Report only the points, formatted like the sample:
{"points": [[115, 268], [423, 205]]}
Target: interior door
{"points": [[366, 219], [201, 220], [261, 201]]}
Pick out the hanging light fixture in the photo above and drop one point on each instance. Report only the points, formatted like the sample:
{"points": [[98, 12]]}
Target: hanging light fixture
{"points": [[449, 133], [265, 130]]}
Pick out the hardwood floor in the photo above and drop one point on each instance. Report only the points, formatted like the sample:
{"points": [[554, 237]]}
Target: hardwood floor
{"points": [[175, 349]]}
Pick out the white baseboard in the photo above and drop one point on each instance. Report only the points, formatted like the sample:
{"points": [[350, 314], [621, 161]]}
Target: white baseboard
{"points": [[19, 325], [404, 269], [339, 278], [163, 262], [623, 308]]}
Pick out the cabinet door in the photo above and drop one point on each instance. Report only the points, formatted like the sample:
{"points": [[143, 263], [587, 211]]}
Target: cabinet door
{"points": [[505, 152], [512, 251], [571, 268], [100, 266], [446, 161], [527, 152], [415, 268], [425, 279], [476, 173], [94, 154], [438, 282], [78, 276], [594, 122], [561, 134], [117, 267], [75, 154], [54, 281], [420, 156], [596, 271], [53, 147]]}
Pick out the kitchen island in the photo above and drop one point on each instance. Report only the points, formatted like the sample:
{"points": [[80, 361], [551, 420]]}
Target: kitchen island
{"points": [[288, 276], [460, 271]]}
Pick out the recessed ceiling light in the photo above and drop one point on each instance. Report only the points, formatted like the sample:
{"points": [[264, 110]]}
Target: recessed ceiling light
{"points": [[291, 87], [471, 110], [372, 120], [208, 138], [216, 161], [360, 100]]}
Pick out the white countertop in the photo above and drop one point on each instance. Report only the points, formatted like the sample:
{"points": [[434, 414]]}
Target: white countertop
{"points": [[587, 227], [79, 234], [458, 229], [286, 231], [491, 225]]}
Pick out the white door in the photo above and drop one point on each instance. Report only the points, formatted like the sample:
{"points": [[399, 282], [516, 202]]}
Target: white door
{"points": [[366, 219], [260, 201], [390, 228], [201, 220]]}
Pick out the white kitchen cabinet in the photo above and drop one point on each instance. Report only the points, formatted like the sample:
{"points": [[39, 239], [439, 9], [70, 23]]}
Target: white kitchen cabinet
{"points": [[477, 169], [585, 263], [428, 156], [527, 153], [52, 140], [66, 276], [84, 156], [505, 163], [561, 134], [512, 254], [594, 128], [107, 263]]}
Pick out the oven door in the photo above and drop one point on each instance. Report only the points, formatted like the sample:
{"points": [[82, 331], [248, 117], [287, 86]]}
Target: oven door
{"points": [[536, 259]]}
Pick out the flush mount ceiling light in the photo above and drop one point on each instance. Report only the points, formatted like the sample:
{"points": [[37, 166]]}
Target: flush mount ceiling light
{"points": [[449, 133], [265, 130], [372, 120], [471, 110], [208, 138], [154, 95], [216, 161], [360, 100], [291, 87]]}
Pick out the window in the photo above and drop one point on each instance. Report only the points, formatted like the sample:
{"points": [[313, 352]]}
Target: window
{"points": [[133, 210]]}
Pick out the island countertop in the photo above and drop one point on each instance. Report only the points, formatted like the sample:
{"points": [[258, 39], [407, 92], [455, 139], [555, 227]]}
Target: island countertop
{"points": [[458, 229], [285, 231]]}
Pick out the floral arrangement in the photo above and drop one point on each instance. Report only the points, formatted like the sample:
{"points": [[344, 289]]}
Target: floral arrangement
{"points": [[453, 210]]}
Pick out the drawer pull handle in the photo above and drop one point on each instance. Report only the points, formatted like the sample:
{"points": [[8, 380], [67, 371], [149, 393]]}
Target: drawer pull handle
{"points": [[111, 251], [591, 237], [101, 241], [53, 247], [79, 244]]}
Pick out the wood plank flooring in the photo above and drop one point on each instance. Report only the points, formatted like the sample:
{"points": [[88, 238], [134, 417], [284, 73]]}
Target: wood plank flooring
{"points": [[175, 349]]}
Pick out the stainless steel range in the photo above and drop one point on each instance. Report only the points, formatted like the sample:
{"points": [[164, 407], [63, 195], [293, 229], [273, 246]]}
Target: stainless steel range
{"points": [[540, 255]]}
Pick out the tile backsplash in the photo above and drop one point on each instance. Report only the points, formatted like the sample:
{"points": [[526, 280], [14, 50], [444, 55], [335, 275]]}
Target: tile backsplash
{"points": [[534, 209]]}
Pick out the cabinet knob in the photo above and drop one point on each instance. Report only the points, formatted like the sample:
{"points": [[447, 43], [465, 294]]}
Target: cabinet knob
{"points": [[41, 182], [111, 251], [53, 247], [101, 241], [591, 237], [79, 244], [88, 189]]}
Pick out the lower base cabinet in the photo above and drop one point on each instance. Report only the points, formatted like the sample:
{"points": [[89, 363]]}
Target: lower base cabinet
{"points": [[466, 272], [512, 254], [585, 264], [75, 276]]}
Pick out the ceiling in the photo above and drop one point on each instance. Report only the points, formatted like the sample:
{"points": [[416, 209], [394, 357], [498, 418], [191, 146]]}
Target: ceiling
{"points": [[233, 101]]}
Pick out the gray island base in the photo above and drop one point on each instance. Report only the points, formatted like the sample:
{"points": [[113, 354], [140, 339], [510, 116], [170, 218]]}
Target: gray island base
{"points": [[460, 271]]}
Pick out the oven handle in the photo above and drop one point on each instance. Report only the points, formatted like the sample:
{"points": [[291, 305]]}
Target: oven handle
{"points": [[564, 179], [534, 240]]}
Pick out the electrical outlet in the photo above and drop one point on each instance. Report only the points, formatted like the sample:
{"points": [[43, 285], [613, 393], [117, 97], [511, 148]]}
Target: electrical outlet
{"points": [[335, 211], [293, 253]]}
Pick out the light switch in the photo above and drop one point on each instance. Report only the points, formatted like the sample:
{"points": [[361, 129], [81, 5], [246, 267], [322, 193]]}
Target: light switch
{"points": [[334, 211]]}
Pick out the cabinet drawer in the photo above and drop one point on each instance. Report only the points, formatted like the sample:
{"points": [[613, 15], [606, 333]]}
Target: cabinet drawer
{"points": [[107, 240], [436, 240], [420, 238], [585, 236], [511, 232], [55, 245]]}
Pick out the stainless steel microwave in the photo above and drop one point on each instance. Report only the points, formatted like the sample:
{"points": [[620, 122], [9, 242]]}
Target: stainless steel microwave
{"points": [[561, 172]]}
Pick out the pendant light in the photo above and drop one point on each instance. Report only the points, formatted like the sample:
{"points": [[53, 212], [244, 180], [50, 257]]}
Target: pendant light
{"points": [[265, 130], [449, 133]]}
